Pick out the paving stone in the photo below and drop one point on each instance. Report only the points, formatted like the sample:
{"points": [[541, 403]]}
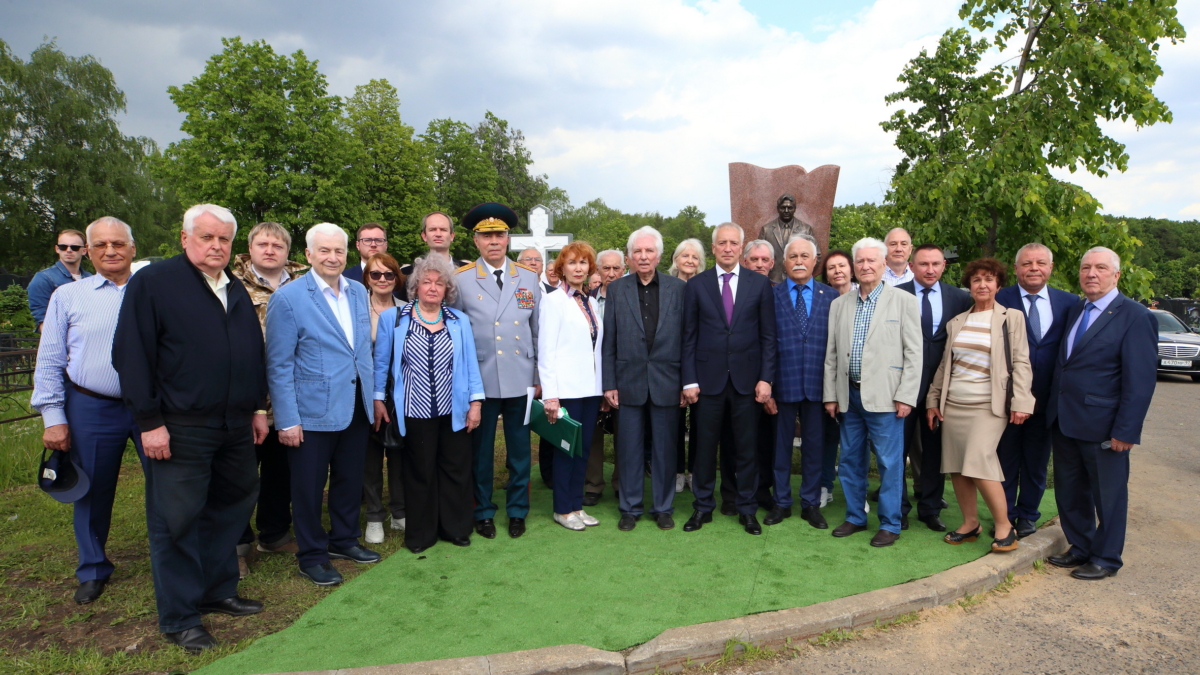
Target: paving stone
{"points": [[561, 660], [676, 648]]}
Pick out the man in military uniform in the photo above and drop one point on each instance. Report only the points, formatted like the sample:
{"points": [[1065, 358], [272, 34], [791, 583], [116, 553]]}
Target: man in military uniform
{"points": [[501, 299], [780, 231]]}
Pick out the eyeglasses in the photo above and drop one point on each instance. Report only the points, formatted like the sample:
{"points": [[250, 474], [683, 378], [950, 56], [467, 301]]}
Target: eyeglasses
{"points": [[376, 276], [526, 260], [73, 247], [373, 242], [104, 245]]}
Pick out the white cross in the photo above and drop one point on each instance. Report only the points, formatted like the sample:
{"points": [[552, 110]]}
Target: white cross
{"points": [[541, 239]]}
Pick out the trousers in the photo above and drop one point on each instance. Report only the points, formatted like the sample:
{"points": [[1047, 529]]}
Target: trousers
{"points": [[518, 450]]}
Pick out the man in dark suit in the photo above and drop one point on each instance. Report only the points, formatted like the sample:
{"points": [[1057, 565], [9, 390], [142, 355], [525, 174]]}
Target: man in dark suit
{"points": [[370, 238], [801, 331], [1025, 448], [1103, 383], [728, 363], [643, 334], [939, 303]]}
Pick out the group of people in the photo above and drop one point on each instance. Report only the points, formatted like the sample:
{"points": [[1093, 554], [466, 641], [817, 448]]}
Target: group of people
{"points": [[257, 385]]}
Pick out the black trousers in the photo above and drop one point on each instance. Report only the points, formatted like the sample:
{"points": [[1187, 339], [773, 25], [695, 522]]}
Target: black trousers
{"points": [[546, 462], [923, 448], [1024, 454], [273, 516], [767, 459], [197, 505], [340, 456], [743, 424], [1091, 487], [438, 488], [373, 477], [685, 453]]}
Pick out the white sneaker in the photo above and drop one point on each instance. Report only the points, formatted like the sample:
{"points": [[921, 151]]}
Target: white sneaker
{"points": [[590, 521], [867, 507], [398, 524], [680, 480], [826, 497], [374, 533], [570, 521]]}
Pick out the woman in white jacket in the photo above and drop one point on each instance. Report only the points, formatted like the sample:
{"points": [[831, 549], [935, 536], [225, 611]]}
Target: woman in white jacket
{"points": [[570, 336]]}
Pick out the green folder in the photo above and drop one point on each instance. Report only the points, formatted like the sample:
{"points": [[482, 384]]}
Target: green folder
{"points": [[564, 434]]}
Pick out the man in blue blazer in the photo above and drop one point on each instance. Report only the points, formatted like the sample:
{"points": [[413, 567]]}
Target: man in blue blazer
{"points": [[319, 369], [1025, 448], [728, 364], [939, 303], [801, 332], [1103, 382]]}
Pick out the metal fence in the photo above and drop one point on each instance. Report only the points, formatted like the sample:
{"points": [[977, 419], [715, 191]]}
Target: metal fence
{"points": [[18, 354]]}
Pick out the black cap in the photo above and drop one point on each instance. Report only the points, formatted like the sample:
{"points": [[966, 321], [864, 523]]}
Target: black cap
{"points": [[490, 217], [61, 477]]}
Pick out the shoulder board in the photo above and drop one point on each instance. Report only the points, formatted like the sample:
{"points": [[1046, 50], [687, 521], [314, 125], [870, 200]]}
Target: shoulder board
{"points": [[464, 268], [525, 267]]}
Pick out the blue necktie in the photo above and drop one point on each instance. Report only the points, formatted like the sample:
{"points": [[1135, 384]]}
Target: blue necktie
{"points": [[926, 314], [801, 309], [1083, 326], [1035, 318]]}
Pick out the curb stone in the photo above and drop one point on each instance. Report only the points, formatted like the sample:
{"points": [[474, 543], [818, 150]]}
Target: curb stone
{"points": [[675, 648]]}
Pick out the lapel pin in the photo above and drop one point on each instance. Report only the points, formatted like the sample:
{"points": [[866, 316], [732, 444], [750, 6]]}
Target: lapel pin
{"points": [[481, 297]]}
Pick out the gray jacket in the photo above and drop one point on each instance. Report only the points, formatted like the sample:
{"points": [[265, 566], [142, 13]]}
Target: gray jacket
{"points": [[638, 374], [505, 324]]}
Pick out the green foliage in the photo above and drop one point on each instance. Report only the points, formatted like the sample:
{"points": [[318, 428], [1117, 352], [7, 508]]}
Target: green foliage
{"points": [[463, 174], [855, 221], [506, 149], [1170, 250], [605, 227], [14, 309], [980, 146]]}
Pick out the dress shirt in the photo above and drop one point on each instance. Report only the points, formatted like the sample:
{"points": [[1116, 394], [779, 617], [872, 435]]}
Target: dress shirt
{"points": [[284, 277], [1101, 305], [1045, 311], [492, 270], [892, 279], [864, 310], [77, 338], [733, 280], [218, 287], [808, 297], [648, 305], [338, 304], [601, 301], [935, 302]]}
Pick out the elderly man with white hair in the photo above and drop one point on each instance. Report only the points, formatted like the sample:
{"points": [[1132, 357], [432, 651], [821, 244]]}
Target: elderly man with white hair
{"points": [[759, 256], [320, 369], [872, 377], [188, 351]]}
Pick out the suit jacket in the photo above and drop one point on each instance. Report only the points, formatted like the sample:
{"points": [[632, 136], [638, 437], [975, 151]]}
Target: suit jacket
{"points": [[955, 301], [1104, 389], [891, 357], [1042, 353], [800, 375], [1023, 400], [716, 352], [637, 373], [311, 369], [569, 364], [505, 325]]}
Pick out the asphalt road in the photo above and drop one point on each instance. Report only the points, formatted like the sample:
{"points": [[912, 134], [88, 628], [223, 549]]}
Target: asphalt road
{"points": [[1144, 620]]}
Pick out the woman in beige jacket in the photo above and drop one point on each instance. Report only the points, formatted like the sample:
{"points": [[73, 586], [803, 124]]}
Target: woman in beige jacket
{"points": [[970, 397]]}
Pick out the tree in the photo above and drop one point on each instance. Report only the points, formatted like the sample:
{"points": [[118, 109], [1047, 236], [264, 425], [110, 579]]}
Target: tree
{"points": [[980, 147], [463, 173], [265, 141], [515, 186]]}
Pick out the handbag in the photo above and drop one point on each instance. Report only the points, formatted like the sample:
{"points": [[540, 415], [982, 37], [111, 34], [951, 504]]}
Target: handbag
{"points": [[1008, 395], [390, 436]]}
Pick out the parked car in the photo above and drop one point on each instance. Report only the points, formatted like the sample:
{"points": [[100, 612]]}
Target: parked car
{"points": [[1178, 346]]}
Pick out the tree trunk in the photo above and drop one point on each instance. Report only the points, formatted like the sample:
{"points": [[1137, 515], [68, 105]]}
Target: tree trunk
{"points": [[1031, 35]]}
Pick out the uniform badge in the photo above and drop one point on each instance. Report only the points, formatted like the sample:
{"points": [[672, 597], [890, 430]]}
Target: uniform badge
{"points": [[524, 298]]}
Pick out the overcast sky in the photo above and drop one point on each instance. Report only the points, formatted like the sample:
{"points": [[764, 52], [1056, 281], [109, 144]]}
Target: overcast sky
{"points": [[643, 103]]}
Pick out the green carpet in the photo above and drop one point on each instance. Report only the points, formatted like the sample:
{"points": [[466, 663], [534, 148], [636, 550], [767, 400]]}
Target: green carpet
{"points": [[603, 587]]}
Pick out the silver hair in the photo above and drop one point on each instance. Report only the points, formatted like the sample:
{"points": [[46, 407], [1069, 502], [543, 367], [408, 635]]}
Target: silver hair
{"points": [[108, 220], [755, 244], [433, 264], [868, 242], [219, 212], [740, 231], [613, 251], [1033, 246], [803, 237], [697, 248], [644, 231], [1116, 259], [325, 228]]}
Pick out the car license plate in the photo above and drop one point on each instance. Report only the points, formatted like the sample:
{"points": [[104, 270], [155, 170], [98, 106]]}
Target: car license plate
{"points": [[1170, 362]]}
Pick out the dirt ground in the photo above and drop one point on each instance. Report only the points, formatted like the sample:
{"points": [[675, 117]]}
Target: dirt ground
{"points": [[1144, 620]]}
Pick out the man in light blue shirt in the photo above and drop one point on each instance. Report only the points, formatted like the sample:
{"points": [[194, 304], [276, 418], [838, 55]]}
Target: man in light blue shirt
{"points": [[79, 393]]}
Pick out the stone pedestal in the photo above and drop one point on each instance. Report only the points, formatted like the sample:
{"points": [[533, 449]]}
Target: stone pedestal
{"points": [[754, 191]]}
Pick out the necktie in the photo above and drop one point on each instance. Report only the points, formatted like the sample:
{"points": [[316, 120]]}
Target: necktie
{"points": [[926, 314], [801, 309], [1035, 318], [499, 281], [1083, 326], [727, 297]]}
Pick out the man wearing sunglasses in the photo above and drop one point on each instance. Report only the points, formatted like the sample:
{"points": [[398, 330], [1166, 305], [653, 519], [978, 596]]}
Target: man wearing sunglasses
{"points": [[71, 250], [370, 239]]}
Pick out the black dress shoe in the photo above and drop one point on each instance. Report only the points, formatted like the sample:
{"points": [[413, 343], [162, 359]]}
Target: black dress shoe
{"points": [[1092, 572], [903, 523], [516, 527], [460, 541], [88, 591], [934, 523], [697, 521], [322, 575], [486, 528], [193, 640], [1067, 559], [945, 504], [664, 521], [591, 498], [728, 509], [884, 538], [627, 522], [813, 515], [356, 553], [1026, 527], [750, 523], [847, 528], [235, 606], [417, 550], [776, 515]]}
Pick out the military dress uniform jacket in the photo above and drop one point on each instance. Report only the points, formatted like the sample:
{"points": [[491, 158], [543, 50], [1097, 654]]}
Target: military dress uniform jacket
{"points": [[505, 323]]}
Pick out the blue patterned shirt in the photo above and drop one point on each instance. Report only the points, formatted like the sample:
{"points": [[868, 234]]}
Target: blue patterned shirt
{"points": [[427, 367], [863, 311]]}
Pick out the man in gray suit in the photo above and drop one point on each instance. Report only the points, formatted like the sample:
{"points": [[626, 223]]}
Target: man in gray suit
{"points": [[643, 342], [501, 299]]}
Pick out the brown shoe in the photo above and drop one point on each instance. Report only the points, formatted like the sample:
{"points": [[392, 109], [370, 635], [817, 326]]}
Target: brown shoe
{"points": [[847, 528], [884, 538]]}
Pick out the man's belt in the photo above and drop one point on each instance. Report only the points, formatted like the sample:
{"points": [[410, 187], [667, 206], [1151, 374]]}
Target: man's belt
{"points": [[93, 394]]}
